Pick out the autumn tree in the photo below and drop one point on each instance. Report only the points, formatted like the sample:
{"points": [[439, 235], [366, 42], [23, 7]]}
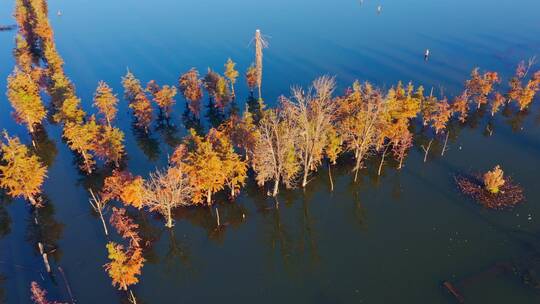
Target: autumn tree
{"points": [[125, 226], [109, 144], [21, 173], [81, 138], [211, 164], [243, 132], [363, 111], [481, 85], [190, 86], [404, 104], [494, 179], [311, 114], [142, 110], [231, 73], [251, 78], [125, 187], [163, 97], [124, 266], [217, 88], [39, 295], [234, 167], [23, 94], [132, 86], [274, 155], [498, 101], [106, 102], [460, 105], [70, 112], [166, 190], [402, 145]]}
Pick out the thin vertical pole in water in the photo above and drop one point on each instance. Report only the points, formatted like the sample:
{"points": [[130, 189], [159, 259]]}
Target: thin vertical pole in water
{"points": [[217, 217]]}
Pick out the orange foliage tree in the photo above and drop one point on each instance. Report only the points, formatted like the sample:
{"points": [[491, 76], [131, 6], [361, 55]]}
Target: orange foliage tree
{"points": [[191, 87], [123, 186]]}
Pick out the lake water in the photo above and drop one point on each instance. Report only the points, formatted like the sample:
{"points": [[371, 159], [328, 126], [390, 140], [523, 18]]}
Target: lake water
{"points": [[388, 239]]}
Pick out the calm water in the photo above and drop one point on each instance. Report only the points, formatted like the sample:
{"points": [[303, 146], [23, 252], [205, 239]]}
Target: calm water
{"points": [[391, 239]]}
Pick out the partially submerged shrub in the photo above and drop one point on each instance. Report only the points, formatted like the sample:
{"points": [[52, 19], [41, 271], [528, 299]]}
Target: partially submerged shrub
{"points": [[494, 179]]}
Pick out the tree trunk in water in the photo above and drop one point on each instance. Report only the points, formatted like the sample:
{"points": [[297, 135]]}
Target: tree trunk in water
{"points": [[382, 160], [427, 150], [304, 180], [209, 197], [276, 187], [330, 175], [217, 217], [103, 222], [169, 219], [445, 142], [45, 258], [33, 200], [400, 163], [132, 298], [356, 169]]}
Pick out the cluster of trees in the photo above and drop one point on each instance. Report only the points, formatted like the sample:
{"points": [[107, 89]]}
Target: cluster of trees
{"points": [[39, 68]]}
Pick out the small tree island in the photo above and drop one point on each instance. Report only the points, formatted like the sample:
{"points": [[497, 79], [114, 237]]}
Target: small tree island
{"points": [[493, 189]]}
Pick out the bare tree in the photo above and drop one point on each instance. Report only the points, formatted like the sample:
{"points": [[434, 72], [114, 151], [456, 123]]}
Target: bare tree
{"points": [[99, 206], [312, 114], [274, 156], [260, 44], [166, 190]]}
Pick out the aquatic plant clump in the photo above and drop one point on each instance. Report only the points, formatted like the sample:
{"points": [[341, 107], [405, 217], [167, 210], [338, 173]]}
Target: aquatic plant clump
{"points": [[508, 195]]}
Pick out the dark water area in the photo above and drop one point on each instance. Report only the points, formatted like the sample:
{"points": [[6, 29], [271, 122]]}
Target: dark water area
{"points": [[388, 239]]}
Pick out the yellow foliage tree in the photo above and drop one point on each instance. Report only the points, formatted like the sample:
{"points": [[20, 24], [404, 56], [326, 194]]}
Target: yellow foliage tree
{"points": [[23, 94], [106, 102], [231, 73], [21, 173], [124, 265], [494, 179]]}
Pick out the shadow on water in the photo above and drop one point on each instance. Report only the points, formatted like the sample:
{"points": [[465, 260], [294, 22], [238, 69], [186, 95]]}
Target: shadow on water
{"points": [[148, 144]]}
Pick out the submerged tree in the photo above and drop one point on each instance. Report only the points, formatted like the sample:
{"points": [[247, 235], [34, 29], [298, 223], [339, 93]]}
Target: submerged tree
{"points": [[23, 94], [274, 155], [312, 115], [166, 190], [190, 86], [106, 102], [21, 173]]}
